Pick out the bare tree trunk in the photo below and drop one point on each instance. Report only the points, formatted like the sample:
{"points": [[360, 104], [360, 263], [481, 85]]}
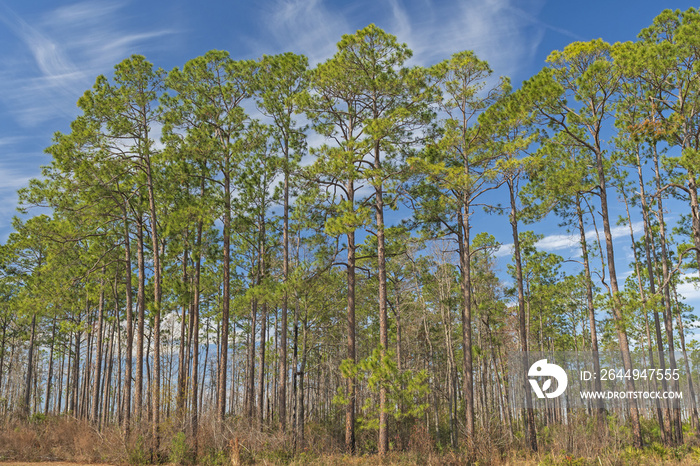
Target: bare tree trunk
{"points": [[50, 375], [300, 401], [383, 317], [223, 353], [76, 375], [30, 369], [691, 388], [141, 303], [194, 330], [261, 373], [59, 392], [181, 365], [84, 406], [465, 287], [128, 375], [98, 356], [617, 303], [529, 414], [69, 368], [110, 359], [351, 392], [2, 352], [677, 433], [295, 368], [233, 387], [250, 389], [156, 303], [283, 372], [665, 418]]}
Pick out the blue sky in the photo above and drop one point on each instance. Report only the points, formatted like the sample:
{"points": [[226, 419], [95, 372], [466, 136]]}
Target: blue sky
{"points": [[53, 51]]}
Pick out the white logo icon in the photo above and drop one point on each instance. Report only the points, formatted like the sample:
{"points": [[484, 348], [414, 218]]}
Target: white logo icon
{"points": [[543, 369]]}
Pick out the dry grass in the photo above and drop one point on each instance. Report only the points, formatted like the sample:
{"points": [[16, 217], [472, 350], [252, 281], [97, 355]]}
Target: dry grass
{"points": [[53, 439], [53, 463], [237, 443]]}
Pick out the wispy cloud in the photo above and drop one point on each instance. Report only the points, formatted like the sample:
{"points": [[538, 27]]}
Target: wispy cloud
{"points": [[11, 140], [11, 179], [571, 242], [505, 250], [401, 22], [534, 20], [305, 26], [497, 30], [558, 242], [689, 288], [68, 47]]}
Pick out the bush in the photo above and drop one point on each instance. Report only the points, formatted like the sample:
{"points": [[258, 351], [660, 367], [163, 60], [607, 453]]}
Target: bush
{"points": [[137, 454], [180, 451]]}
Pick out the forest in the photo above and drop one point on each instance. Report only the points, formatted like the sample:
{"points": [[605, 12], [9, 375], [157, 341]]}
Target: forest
{"points": [[260, 261]]}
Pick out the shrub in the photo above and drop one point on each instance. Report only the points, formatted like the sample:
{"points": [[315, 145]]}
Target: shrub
{"points": [[180, 451], [137, 454]]}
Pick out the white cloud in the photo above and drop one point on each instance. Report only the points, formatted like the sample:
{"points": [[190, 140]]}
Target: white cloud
{"points": [[558, 242], [495, 30], [621, 231], [562, 242], [11, 140], [505, 250], [305, 26], [498, 31], [689, 290], [401, 22], [68, 47], [12, 178]]}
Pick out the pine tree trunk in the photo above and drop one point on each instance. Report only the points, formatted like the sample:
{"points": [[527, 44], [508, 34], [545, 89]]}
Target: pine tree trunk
{"points": [[156, 302], [693, 402], [110, 358], [30, 370], [98, 356], [677, 433], [129, 357], [49, 378], [223, 353], [263, 327], [76, 375], [529, 412], [141, 303], [194, 331], [617, 303], [351, 355], [465, 287], [181, 364], [250, 389], [283, 372], [664, 418], [383, 317]]}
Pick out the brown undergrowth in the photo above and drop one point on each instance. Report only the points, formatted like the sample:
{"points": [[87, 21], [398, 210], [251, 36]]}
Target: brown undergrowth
{"points": [[58, 439], [236, 442]]}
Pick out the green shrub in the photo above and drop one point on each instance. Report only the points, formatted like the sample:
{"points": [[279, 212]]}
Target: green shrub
{"points": [[37, 418], [180, 451], [137, 454], [214, 458]]}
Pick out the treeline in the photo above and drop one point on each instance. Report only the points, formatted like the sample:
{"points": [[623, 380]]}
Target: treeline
{"points": [[220, 242]]}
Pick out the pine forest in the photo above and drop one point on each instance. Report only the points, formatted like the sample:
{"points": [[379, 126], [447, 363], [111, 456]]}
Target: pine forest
{"points": [[267, 262]]}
